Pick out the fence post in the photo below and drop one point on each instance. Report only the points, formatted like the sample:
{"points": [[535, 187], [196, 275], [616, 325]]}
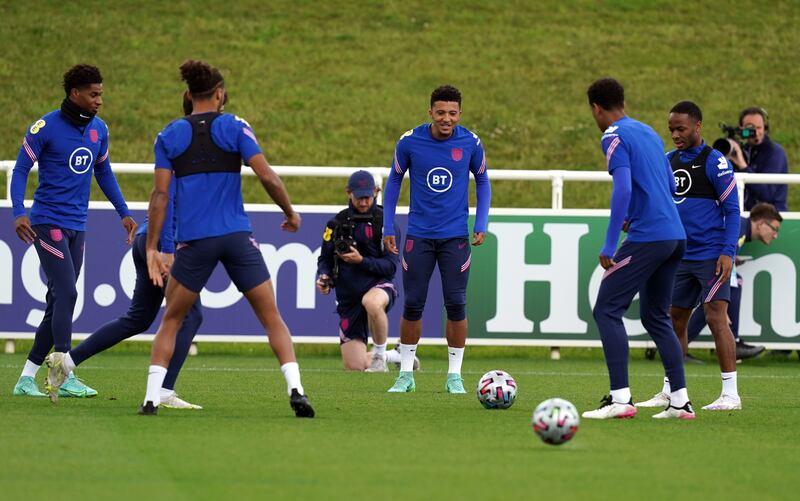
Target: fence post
{"points": [[740, 190], [558, 192]]}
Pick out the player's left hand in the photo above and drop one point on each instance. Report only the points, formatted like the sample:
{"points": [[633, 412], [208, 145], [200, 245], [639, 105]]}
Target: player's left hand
{"points": [[352, 257], [626, 225], [478, 238], [130, 227], [724, 267], [291, 223], [167, 258], [606, 262]]}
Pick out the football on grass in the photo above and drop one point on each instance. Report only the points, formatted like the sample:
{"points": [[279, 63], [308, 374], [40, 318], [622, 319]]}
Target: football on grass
{"points": [[555, 421], [496, 390]]}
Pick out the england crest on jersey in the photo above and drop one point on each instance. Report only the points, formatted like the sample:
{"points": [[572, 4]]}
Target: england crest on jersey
{"points": [[456, 154]]}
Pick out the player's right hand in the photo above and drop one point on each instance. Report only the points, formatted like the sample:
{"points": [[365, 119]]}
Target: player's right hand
{"points": [[390, 244], [324, 284], [156, 268], [22, 226], [291, 222], [606, 262]]}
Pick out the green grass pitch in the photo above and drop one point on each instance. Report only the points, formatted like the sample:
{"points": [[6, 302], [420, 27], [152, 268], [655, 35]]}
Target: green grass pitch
{"points": [[367, 444]]}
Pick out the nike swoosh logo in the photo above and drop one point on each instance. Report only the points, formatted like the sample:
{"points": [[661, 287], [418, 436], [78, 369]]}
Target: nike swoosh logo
{"points": [[696, 166], [726, 378], [83, 116]]}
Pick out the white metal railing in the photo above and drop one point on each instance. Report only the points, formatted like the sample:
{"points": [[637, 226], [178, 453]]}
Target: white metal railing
{"points": [[556, 177]]}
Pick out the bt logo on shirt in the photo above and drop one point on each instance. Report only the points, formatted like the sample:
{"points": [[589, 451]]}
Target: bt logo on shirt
{"points": [[80, 160], [439, 179]]}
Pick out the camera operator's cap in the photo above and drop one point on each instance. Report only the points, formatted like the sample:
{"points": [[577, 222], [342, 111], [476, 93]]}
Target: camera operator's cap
{"points": [[362, 184]]}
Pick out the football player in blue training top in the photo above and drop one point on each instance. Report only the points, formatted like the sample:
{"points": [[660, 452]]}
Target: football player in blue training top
{"points": [[69, 144], [645, 263], [439, 157], [708, 204], [204, 152], [145, 304]]}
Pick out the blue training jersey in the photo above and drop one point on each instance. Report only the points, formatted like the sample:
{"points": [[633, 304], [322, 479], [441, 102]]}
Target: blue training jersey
{"points": [[67, 156], [651, 214], [439, 174], [208, 204], [712, 226]]}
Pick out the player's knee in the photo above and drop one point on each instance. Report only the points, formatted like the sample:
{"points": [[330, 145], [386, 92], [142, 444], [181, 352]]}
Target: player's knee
{"points": [[600, 313], [68, 294], [456, 312], [412, 313], [374, 303]]}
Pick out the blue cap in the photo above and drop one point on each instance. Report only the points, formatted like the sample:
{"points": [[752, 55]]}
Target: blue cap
{"points": [[362, 184]]}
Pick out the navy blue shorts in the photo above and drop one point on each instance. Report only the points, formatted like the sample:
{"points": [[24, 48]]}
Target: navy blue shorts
{"points": [[353, 321], [420, 256], [696, 282], [238, 252]]}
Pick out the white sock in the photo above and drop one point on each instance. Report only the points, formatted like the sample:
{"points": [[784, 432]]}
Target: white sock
{"points": [[455, 356], [407, 352], [729, 384], [665, 390], [621, 396], [68, 363], [30, 369], [679, 398], [393, 357], [155, 378], [165, 393], [379, 349], [291, 372]]}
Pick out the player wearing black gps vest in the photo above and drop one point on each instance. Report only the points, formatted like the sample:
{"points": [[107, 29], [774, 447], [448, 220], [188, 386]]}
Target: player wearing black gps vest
{"points": [[708, 205]]}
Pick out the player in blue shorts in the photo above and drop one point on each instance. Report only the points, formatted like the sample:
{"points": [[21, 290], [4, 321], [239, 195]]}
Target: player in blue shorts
{"points": [[145, 304], [204, 152], [645, 263], [763, 224], [708, 204], [439, 157], [70, 144]]}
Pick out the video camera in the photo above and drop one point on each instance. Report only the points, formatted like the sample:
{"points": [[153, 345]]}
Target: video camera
{"points": [[724, 144], [344, 232]]}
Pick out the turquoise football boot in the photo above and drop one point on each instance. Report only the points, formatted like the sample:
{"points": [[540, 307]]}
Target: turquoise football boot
{"points": [[27, 387], [74, 388], [454, 383], [404, 383]]}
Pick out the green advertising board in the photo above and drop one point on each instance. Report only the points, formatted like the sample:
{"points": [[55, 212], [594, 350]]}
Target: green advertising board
{"points": [[535, 280]]}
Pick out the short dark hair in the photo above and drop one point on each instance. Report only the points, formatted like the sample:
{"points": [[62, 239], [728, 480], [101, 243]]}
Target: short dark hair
{"points": [[753, 110], [688, 108], [446, 93], [765, 212], [80, 76], [201, 78], [607, 93]]}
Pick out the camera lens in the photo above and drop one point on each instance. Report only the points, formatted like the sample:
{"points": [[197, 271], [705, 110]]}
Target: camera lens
{"points": [[722, 145]]}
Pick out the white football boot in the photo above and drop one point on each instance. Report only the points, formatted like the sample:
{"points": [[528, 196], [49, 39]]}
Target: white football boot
{"points": [[672, 412], [660, 399], [170, 400], [725, 403], [609, 409]]}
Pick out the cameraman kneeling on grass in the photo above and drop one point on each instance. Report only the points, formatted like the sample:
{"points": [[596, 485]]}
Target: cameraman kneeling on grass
{"points": [[354, 262]]}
